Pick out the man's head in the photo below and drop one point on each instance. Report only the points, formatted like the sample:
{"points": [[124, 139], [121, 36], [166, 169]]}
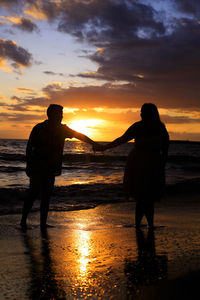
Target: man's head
{"points": [[55, 113]]}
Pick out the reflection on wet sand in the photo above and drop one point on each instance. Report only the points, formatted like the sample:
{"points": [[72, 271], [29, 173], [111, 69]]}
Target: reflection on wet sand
{"points": [[84, 263], [43, 282], [83, 247], [148, 267]]}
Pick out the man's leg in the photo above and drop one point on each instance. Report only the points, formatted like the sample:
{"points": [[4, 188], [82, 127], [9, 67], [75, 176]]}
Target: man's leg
{"points": [[33, 192], [47, 189]]}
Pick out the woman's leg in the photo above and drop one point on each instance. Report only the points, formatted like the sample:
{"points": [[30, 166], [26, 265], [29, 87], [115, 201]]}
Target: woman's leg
{"points": [[149, 214], [139, 213]]}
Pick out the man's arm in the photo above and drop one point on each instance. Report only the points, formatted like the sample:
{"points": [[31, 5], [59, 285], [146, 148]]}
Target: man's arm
{"points": [[83, 137], [29, 153], [29, 146], [70, 133]]}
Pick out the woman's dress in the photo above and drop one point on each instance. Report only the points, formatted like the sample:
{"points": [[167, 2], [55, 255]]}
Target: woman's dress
{"points": [[144, 176]]}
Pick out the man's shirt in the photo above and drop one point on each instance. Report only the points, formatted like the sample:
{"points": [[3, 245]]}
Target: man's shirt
{"points": [[45, 148]]}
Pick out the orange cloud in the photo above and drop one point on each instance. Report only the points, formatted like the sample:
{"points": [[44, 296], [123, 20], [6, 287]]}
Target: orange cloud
{"points": [[3, 65]]}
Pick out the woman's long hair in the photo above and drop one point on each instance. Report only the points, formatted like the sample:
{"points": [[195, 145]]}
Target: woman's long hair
{"points": [[149, 113]]}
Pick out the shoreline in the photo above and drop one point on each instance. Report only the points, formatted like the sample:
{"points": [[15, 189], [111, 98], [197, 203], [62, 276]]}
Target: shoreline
{"points": [[86, 196]]}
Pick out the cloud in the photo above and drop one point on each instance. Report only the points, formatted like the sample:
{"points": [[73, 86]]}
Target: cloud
{"points": [[159, 59], [135, 47], [103, 21], [9, 50], [2, 97], [179, 119], [21, 23], [26, 24], [12, 4], [190, 7], [53, 73], [17, 117], [135, 44], [107, 95], [24, 90]]}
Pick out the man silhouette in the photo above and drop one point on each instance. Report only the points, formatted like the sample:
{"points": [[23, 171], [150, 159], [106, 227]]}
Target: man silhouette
{"points": [[44, 160]]}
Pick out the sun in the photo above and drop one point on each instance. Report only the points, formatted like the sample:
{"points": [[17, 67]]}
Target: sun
{"points": [[86, 126]]}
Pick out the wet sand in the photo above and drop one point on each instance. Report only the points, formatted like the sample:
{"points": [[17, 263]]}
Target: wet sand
{"points": [[97, 254]]}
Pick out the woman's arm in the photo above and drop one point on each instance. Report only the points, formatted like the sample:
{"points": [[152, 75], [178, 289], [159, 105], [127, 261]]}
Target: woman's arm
{"points": [[165, 145], [126, 137]]}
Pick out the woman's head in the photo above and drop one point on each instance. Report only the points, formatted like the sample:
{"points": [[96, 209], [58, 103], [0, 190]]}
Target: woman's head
{"points": [[149, 112]]}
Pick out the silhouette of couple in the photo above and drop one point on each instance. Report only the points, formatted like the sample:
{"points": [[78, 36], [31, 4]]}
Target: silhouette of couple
{"points": [[144, 172]]}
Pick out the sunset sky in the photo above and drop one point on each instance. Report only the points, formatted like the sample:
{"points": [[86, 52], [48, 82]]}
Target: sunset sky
{"points": [[101, 60]]}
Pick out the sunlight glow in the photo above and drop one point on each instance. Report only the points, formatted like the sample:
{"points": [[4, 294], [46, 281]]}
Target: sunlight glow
{"points": [[87, 126]]}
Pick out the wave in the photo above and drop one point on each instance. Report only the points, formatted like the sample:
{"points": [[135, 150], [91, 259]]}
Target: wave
{"points": [[87, 157], [11, 169], [12, 157], [82, 196], [92, 158], [68, 157], [183, 158]]}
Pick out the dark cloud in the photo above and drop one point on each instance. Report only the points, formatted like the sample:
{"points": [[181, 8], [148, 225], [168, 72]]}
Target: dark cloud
{"points": [[101, 22], [53, 73], [26, 24], [17, 117], [160, 60], [12, 4], [107, 95], [179, 119], [138, 49], [18, 5], [190, 7], [18, 55]]}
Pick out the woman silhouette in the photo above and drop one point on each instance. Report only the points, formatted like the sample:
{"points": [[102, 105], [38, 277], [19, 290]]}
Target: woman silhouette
{"points": [[144, 175]]}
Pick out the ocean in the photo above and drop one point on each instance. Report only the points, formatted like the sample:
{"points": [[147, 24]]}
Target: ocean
{"points": [[90, 178]]}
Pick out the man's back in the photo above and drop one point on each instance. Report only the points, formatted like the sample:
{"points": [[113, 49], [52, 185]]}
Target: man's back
{"points": [[45, 148]]}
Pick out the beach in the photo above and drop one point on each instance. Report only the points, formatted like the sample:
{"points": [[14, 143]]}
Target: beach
{"points": [[100, 125], [96, 253], [92, 250]]}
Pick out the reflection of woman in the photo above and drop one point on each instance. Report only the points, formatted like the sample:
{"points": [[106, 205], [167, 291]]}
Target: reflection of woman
{"points": [[144, 171], [148, 268]]}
